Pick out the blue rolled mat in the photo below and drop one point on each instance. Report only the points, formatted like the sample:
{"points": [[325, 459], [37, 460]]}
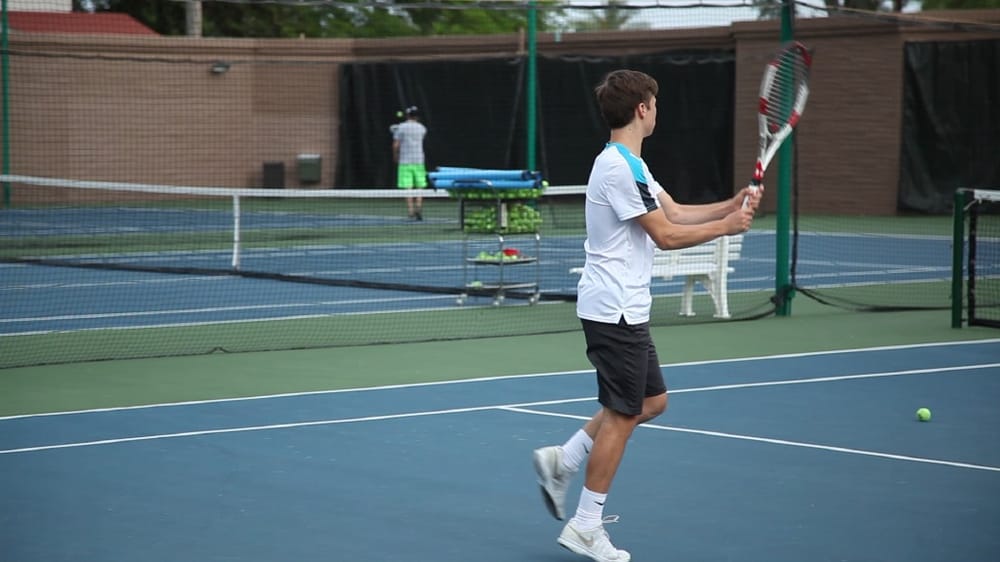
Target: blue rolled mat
{"points": [[485, 184], [448, 173]]}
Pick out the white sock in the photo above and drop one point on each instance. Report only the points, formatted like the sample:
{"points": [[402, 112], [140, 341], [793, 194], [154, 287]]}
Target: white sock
{"points": [[576, 450], [590, 511]]}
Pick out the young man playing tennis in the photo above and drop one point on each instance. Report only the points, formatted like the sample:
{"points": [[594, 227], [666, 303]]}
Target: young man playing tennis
{"points": [[628, 214], [408, 152]]}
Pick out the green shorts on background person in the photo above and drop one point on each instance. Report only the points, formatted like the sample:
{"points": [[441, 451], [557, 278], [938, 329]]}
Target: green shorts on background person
{"points": [[411, 176]]}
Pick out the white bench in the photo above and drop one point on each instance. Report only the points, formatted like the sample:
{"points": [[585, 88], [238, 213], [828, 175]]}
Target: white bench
{"points": [[708, 264]]}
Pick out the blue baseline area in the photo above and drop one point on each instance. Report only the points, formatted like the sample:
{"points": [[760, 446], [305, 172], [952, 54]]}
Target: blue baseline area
{"points": [[781, 459]]}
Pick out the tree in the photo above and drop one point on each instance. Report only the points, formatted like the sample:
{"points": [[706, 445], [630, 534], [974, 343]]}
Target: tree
{"points": [[346, 18], [960, 4], [771, 9], [613, 17]]}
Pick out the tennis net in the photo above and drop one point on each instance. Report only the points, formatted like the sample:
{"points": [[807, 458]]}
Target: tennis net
{"points": [[103, 270], [976, 258], [868, 263]]}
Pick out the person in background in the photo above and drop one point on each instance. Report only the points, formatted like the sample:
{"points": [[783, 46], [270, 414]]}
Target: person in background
{"points": [[408, 153]]}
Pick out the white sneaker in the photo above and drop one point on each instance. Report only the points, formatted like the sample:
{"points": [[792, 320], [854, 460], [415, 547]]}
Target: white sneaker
{"points": [[594, 544], [553, 479]]}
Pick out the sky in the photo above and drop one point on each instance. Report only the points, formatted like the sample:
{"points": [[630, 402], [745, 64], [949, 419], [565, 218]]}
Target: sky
{"points": [[685, 13]]}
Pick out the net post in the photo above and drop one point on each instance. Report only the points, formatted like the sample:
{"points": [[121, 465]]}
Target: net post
{"points": [[531, 87], [236, 232], [5, 99], [783, 287], [972, 213], [957, 255]]}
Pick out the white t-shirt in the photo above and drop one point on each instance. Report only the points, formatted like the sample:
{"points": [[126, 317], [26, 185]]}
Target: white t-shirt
{"points": [[619, 264], [410, 135]]}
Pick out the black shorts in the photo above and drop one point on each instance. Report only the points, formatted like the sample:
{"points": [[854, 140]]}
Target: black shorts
{"points": [[628, 370]]}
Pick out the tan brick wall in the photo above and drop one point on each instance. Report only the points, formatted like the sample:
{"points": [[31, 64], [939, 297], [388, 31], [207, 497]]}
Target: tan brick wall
{"points": [[149, 110]]}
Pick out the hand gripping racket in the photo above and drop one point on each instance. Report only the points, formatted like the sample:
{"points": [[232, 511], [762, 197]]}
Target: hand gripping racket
{"points": [[783, 93]]}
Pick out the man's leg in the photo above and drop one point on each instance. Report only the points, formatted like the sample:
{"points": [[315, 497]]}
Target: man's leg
{"points": [[556, 465], [404, 180], [419, 182], [609, 446], [411, 208], [613, 432], [631, 390], [584, 533]]}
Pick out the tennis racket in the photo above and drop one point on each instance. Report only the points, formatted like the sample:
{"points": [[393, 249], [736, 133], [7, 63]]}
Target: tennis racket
{"points": [[783, 93]]}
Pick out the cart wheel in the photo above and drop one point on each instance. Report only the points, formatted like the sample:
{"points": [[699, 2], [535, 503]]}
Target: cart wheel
{"points": [[498, 300], [533, 299], [460, 300]]}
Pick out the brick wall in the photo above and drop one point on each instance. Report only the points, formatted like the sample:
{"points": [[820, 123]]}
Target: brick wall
{"points": [[150, 110]]}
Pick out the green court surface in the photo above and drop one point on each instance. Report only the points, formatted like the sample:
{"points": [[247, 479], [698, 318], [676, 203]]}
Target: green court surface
{"points": [[812, 327]]}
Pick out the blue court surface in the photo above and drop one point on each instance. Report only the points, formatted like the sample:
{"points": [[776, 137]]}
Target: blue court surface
{"points": [[797, 458]]}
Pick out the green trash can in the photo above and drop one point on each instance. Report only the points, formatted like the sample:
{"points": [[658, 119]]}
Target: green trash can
{"points": [[310, 168]]}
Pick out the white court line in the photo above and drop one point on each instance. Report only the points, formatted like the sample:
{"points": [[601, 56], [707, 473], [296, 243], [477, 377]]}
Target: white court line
{"points": [[842, 377], [523, 408], [283, 426], [256, 319], [208, 309], [511, 377], [777, 442]]}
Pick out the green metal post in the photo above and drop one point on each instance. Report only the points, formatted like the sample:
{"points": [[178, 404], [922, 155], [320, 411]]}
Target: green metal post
{"points": [[5, 102], [531, 88], [782, 284], [957, 257]]}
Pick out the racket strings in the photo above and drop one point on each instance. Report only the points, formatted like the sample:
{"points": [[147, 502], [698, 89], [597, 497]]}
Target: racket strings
{"points": [[785, 94]]}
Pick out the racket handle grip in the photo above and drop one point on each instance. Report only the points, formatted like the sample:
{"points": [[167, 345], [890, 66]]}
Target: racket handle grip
{"points": [[753, 188]]}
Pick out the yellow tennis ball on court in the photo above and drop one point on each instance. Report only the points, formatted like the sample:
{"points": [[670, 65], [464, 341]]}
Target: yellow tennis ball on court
{"points": [[923, 414]]}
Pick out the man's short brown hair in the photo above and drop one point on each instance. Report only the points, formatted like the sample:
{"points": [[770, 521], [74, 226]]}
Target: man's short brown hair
{"points": [[621, 92]]}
